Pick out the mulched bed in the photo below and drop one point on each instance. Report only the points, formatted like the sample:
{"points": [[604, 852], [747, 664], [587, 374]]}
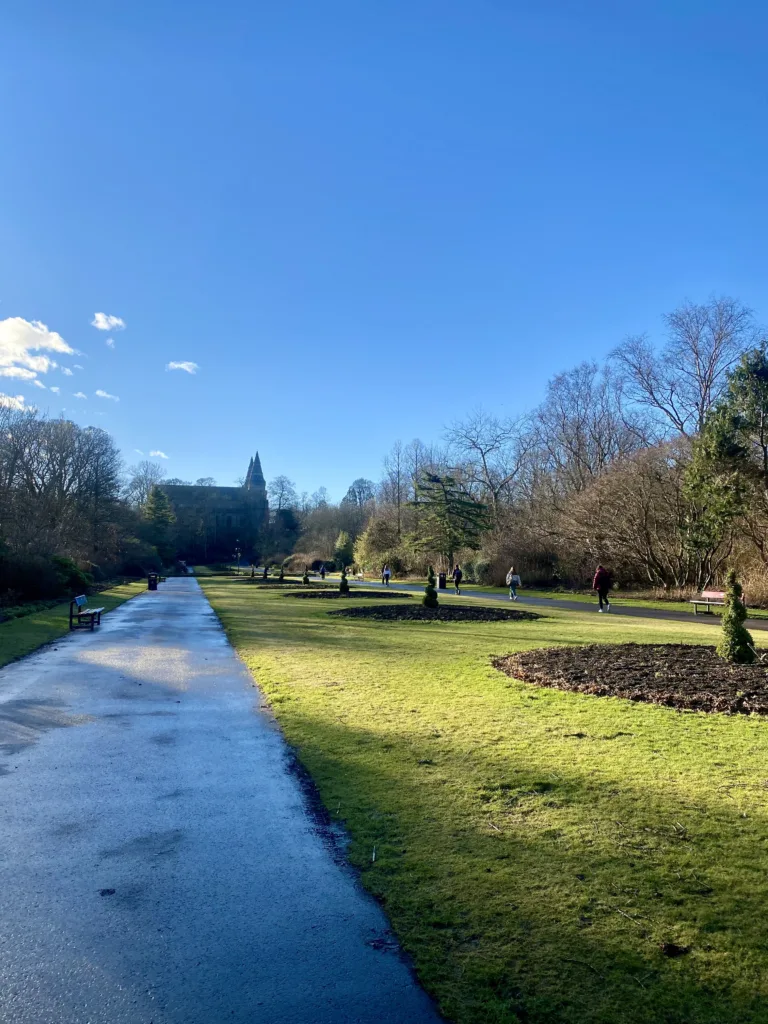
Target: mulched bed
{"points": [[445, 613], [676, 675], [354, 592]]}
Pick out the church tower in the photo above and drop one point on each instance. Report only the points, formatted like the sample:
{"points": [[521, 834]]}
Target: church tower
{"points": [[254, 479]]}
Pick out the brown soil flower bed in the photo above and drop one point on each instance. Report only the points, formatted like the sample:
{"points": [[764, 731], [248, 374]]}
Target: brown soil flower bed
{"points": [[676, 675], [444, 613], [354, 592]]}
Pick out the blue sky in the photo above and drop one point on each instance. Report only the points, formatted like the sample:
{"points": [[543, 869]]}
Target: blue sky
{"points": [[362, 219]]}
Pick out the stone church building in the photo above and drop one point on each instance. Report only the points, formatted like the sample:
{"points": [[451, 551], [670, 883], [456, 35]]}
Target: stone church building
{"points": [[212, 521]]}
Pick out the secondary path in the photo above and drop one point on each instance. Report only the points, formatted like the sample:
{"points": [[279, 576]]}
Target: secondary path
{"points": [[635, 611], [160, 861]]}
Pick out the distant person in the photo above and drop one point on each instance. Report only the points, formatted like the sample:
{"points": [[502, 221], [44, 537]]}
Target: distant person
{"points": [[322, 571], [602, 584], [386, 573], [457, 578], [513, 582]]}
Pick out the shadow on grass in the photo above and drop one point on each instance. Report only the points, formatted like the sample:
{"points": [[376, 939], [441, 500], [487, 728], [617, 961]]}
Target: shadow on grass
{"points": [[524, 896]]}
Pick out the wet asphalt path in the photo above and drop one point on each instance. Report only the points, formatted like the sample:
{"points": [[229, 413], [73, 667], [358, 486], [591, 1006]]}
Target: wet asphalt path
{"points": [[633, 611], [159, 861]]}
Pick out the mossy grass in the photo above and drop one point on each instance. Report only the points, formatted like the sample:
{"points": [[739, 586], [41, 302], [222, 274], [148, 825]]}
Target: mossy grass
{"points": [[535, 849], [23, 635]]}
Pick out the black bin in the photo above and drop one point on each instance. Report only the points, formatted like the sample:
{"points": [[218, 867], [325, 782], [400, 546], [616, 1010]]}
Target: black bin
{"points": [[152, 581], [441, 584]]}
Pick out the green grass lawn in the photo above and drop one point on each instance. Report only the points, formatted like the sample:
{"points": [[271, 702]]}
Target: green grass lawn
{"points": [[22, 636], [533, 849]]}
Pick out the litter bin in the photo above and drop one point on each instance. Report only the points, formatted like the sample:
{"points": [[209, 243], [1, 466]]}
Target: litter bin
{"points": [[441, 584], [152, 581]]}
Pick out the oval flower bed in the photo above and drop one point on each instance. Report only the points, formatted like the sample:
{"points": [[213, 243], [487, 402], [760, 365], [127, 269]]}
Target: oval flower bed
{"points": [[676, 675]]}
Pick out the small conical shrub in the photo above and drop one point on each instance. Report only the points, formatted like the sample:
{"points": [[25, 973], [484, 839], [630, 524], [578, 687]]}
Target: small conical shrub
{"points": [[305, 577], [343, 583], [736, 643], [282, 573], [430, 593], [265, 573]]}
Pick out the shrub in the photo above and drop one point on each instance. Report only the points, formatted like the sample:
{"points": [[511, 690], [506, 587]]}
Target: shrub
{"points": [[736, 643], [72, 578], [343, 583], [305, 577], [430, 593]]}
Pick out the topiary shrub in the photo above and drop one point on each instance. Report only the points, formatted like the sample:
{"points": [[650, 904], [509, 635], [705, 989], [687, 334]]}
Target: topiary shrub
{"points": [[430, 593], [305, 577], [736, 643], [343, 583], [265, 572], [281, 575]]}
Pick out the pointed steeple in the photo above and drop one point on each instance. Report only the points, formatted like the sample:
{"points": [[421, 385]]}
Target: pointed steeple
{"points": [[257, 477], [248, 475]]}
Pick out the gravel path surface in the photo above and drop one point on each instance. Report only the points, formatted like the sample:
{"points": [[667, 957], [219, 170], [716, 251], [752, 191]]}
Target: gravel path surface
{"points": [[160, 858]]}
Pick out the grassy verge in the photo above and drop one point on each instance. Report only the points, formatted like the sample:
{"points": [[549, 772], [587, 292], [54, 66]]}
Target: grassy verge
{"points": [[533, 849], [24, 635]]}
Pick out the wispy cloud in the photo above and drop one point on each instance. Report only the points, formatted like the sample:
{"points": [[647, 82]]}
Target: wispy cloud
{"points": [[66, 371], [110, 342], [106, 394], [55, 390], [79, 394], [106, 322], [13, 402], [77, 366], [39, 384], [24, 345], [157, 454], [138, 451], [186, 366]]}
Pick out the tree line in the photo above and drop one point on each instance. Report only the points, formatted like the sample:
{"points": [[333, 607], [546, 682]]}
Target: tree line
{"points": [[654, 461]]}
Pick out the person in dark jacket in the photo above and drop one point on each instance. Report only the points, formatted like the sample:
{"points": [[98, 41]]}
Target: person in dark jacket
{"points": [[602, 584], [457, 577]]}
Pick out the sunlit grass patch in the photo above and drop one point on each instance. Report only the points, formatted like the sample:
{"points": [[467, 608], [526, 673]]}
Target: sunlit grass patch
{"points": [[22, 636], [534, 849]]}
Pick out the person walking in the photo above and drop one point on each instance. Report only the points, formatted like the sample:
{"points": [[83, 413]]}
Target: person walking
{"points": [[457, 577], [602, 584], [322, 571], [513, 582], [386, 572]]}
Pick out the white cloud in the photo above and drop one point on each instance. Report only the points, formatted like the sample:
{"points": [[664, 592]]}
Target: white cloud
{"points": [[38, 384], [156, 454], [13, 402], [79, 394], [105, 322], [110, 342], [77, 366], [66, 371], [186, 366], [55, 390], [106, 394], [138, 451], [21, 340]]}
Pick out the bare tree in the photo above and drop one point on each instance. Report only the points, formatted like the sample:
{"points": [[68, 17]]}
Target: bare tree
{"points": [[495, 451], [141, 479], [682, 382], [282, 493], [393, 488]]}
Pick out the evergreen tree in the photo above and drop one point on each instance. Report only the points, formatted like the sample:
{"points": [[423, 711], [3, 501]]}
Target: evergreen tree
{"points": [[736, 643], [159, 515], [343, 552], [449, 518], [430, 593], [343, 583]]}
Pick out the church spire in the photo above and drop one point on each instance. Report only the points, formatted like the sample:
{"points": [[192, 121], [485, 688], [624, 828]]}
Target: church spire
{"points": [[257, 477], [248, 475]]}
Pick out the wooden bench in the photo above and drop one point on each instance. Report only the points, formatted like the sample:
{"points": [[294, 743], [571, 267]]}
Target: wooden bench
{"points": [[710, 599], [80, 616]]}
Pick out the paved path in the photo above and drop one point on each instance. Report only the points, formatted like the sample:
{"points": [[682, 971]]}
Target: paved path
{"points": [[617, 608], [159, 861]]}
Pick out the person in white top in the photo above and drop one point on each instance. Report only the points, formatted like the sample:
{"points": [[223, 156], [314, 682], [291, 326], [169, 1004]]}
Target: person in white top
{"points": [[386, 572], [513, 582]]}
